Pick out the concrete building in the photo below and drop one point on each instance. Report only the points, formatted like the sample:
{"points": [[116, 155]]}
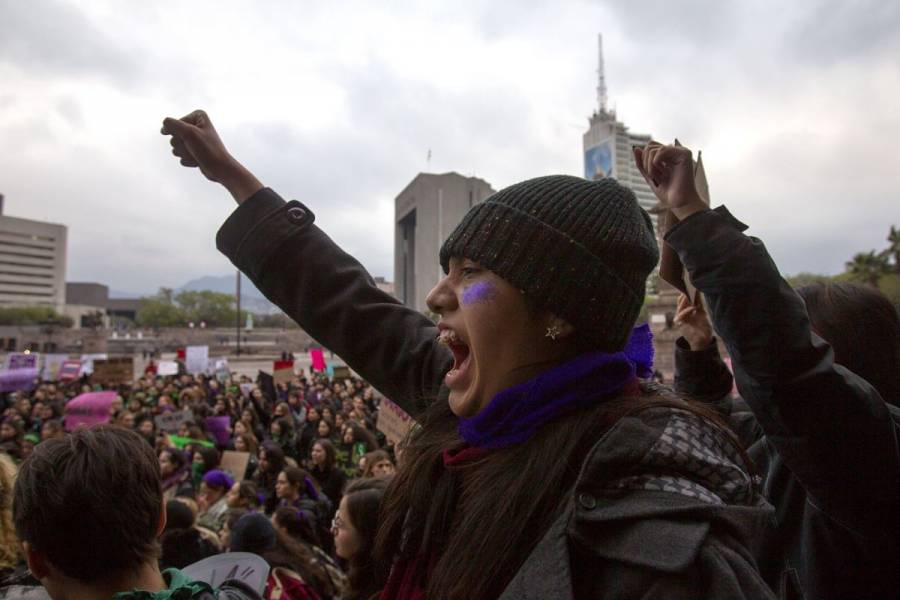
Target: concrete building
{"points": [[607, 147], [32, 262], [426, 211]]}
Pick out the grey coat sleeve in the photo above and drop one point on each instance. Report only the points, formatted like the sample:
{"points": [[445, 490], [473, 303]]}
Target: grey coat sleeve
{"points": [[831, 427], [331, 296]]}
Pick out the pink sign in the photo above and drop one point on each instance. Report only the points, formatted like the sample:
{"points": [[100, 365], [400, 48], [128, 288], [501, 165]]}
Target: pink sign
{"points": [[89, 409], [318, 359]]}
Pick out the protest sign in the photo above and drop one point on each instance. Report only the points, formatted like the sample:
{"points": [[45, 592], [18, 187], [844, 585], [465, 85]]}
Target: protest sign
{"points": [[21, 360], [318, 359], [246, 388], [52, 365], [248, 568], [235, 463], [167, 367], [393, 421], [342, 373], [171, 422], [70, 370], [18, 380], [113, 371], [88, 409], [283, 371], [87, 362], [220, 428], [196, 359]]}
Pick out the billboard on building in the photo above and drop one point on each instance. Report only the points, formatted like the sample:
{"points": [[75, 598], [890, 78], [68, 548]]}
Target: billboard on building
{"points": [[598, 160]]}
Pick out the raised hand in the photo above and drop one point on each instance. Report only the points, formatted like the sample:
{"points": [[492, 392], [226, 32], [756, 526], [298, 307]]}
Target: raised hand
{"points": [[669, 171], [197, 143], [693, 322]]}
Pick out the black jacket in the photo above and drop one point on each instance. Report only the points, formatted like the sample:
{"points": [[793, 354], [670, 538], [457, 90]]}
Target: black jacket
{"points": [[662, 507], [822, 438]]}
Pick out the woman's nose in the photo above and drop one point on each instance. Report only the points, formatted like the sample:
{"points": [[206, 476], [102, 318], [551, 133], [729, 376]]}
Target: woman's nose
{"points": [[441, 298]]}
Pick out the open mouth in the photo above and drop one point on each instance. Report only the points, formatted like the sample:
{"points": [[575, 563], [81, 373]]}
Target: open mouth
{"points": [[461, 356]]}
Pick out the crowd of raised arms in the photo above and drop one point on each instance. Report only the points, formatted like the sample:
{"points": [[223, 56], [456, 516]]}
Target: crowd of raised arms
{"points": [[545, 462]]}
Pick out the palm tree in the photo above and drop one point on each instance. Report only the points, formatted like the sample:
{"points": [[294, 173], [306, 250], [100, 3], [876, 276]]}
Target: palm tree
{"points": [[893, 249], [868, 267]]}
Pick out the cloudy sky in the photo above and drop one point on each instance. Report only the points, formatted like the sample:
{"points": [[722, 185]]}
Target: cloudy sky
{"points": [[795, 106]]}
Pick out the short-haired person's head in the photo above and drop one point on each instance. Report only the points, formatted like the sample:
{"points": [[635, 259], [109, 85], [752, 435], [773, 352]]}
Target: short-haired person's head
{"points": [[863, 329], [540, 272], [90, 505]]}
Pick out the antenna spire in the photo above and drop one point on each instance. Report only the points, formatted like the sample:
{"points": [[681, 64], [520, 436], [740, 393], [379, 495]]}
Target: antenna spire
{"points": [[601, 76]]}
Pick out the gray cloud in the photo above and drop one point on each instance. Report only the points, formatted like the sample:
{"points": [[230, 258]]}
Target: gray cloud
{"points": [[55, 38]]}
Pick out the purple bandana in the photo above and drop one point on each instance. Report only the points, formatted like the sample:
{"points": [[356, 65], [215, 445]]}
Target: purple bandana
{"points": [[515, 414]]}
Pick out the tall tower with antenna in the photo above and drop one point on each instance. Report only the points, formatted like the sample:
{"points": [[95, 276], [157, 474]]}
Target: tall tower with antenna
{"points": [[601, 76], [607, 144]]}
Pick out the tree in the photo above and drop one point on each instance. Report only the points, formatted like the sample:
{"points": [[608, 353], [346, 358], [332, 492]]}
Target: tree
{"points": [[160, 311], [32, 315], [213, 308], [893, 249], [868, 267]]}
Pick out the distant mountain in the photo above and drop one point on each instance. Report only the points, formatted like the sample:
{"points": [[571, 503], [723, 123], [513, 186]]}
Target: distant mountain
{"points": [[120, 295], [251, 298]]}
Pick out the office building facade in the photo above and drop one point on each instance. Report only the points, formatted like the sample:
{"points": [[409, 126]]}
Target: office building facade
{"points": [[425, 213], [32, 263]]}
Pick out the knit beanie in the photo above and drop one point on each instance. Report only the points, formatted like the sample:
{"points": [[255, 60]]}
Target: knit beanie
{"points": [[252, 533], [580, 249], [218, 479]]}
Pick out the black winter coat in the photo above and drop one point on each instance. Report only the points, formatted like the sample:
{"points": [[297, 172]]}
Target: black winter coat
{"points": [[662, 507], [824, 441]]}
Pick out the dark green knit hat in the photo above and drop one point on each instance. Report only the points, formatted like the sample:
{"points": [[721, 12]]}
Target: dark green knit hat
{"points": [[580, 249]]}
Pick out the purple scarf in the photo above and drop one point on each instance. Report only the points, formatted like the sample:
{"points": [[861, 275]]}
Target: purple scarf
{"points": [[515, 414]]}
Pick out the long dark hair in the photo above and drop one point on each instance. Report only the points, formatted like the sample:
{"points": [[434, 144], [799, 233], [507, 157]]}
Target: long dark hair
{"points": [[479, 521], [363, 501], [330, 456], [862, 327]]}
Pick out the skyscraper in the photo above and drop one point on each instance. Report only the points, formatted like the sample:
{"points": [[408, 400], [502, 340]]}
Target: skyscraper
{"points": [[426, 211], [32, 262], [608, 144]]}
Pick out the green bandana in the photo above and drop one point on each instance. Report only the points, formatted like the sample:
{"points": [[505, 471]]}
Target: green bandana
{"points": [[180, 588]]}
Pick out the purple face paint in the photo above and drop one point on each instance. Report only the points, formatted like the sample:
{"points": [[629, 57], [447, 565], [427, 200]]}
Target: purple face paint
{"points": [[479, 293]]}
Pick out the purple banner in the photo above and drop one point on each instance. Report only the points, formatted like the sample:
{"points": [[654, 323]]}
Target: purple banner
{"points": [[89, 409], [220, 427], [18, 380], [20, 360]]}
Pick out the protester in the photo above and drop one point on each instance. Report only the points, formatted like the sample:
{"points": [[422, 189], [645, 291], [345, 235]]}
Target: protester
{"points": [[271, 463], [213, 499], [324, 470], [354, 529], [378, 464], [181, 543], [830, 540], [175, 474], [108, 479], [11, 436], [542, 402], [243, 494], [296, 574]]}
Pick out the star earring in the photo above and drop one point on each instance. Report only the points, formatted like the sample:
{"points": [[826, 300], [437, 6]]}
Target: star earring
{"points": [[553, 332]]}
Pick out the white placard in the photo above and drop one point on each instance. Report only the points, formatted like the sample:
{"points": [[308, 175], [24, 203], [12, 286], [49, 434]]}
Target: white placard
{"points": [[167, 367], [196, 359]]}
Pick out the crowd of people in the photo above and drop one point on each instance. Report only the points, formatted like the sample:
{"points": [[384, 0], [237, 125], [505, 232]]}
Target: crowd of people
{"points": [[546, 462], [316, 465]]}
